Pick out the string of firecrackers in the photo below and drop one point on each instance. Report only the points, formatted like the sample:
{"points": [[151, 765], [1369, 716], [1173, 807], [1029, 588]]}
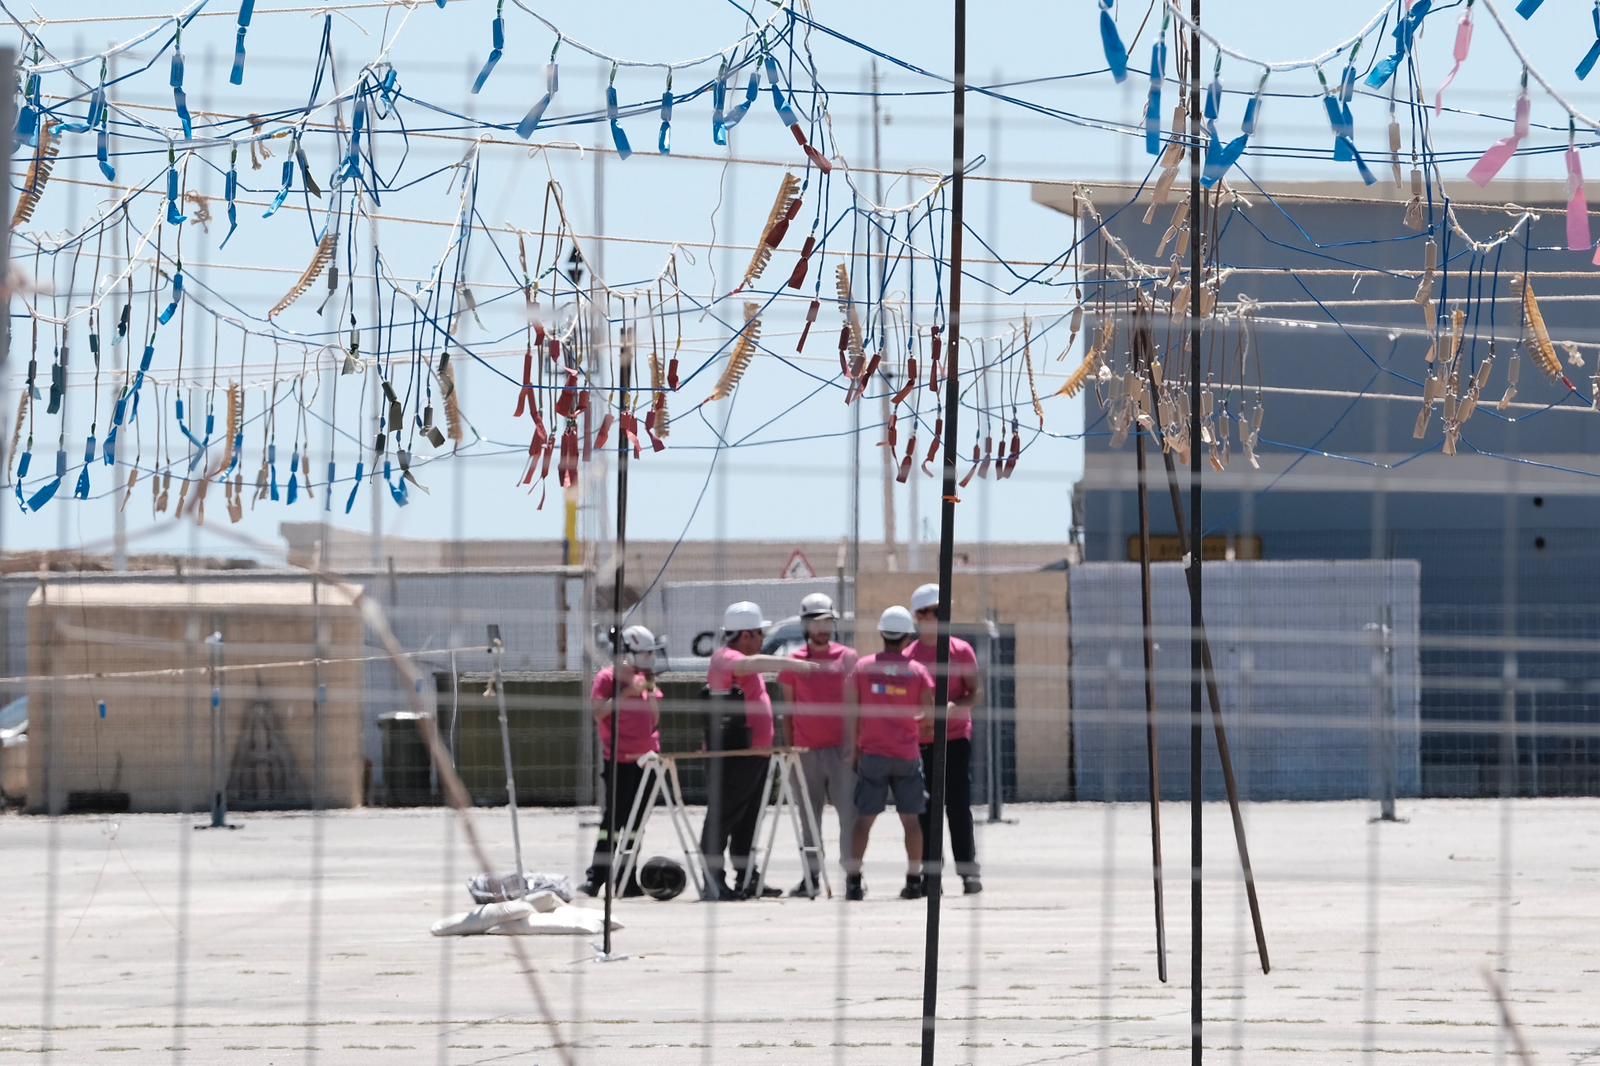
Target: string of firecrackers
{"points": [[1455, 392], [561, 437], [380, 78], [859, 373], [1220, 156], [1444, 386], [321, 263]]}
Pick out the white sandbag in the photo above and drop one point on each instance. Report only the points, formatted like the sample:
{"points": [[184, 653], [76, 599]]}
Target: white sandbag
{"points": [[545, 902], [565, 920], [482, 918]]}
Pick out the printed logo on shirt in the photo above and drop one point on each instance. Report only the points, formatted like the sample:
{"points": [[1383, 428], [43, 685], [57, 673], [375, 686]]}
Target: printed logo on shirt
{"points": [[881, 688]]}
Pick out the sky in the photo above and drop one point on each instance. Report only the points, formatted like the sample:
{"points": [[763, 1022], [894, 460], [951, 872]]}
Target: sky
{"points": [[791, 477]]}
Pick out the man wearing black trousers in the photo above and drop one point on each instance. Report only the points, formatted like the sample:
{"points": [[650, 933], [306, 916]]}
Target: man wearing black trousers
{"points": [[639, 722], [965, 692], [734, 798]]}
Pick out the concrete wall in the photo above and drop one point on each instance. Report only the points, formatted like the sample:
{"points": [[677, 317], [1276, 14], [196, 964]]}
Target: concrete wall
{"points": [[1295, 665], [124, 700]]}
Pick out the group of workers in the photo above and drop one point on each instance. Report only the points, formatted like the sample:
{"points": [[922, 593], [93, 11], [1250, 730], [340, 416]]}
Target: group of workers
{"points": [[863, 727]]}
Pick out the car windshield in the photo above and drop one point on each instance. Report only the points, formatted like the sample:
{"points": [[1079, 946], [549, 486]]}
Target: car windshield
{"points": [[14, 714]]}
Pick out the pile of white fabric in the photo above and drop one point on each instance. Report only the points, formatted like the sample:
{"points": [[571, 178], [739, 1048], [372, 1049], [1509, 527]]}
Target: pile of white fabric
{"points": [[523, 905]]}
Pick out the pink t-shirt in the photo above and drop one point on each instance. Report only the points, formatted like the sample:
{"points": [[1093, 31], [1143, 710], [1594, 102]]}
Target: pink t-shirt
{"points": [[636, 719], [757, 704], [890, 687], [817, 715], [963, 680]]}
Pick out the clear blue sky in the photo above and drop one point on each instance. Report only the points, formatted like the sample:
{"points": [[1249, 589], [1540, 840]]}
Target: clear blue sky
{"points": [[779, 490]]}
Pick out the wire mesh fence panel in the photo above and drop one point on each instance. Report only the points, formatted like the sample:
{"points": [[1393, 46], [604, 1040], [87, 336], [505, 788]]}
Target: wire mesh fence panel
{"points": [[733, 604]]}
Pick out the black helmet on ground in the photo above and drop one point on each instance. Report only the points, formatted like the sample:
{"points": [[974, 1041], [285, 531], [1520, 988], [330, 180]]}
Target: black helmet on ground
{"points": [[662, 878]]}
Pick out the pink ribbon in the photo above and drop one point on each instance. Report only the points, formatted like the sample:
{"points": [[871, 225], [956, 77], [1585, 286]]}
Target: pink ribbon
{"points": [[1579, 238], [1463, 45], [1501, 151]]}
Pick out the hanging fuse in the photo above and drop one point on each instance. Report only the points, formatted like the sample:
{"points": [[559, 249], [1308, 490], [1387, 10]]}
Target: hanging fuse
{"points": [[552, 83]]}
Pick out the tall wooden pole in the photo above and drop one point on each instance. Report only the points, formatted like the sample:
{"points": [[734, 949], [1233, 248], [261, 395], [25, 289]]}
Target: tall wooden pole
{"points": [[1153, 751], [947, 523], [609, 823], [1196, 551]]}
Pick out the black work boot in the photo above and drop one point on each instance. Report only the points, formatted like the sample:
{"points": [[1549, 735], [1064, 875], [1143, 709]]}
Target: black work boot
{"points": [[751, 886], [807, 889], [853, 888]]}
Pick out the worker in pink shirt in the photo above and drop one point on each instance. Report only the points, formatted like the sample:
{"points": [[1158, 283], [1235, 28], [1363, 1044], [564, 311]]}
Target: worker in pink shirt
{"points": [[816, 722], [889, 696], [639, 723], [734, 799], [966, 689]]}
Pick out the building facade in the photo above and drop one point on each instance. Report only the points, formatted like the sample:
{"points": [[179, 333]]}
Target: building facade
{"points": [[1504, 529]]}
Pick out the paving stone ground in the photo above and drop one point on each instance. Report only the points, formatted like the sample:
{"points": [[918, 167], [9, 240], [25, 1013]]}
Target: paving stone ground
{"points": [[1380, 935]]}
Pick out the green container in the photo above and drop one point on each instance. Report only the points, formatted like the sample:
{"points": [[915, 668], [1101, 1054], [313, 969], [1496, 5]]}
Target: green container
{"points": [[407, 770], [545, 714]]}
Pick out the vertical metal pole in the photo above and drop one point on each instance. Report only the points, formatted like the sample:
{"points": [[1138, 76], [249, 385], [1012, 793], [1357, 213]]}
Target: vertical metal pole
{"points": [[1533, 743], [1390, 735], [891, 534], [947, 526], [219, 736], [1152, 749], [119, 517], [497, 651], [374, 497], [609, 821], [1224, 758], [1196, 550], [991, 704]]}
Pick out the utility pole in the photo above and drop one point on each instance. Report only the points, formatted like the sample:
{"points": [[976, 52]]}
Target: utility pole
{"points": [[119, 517], [890, 534]]}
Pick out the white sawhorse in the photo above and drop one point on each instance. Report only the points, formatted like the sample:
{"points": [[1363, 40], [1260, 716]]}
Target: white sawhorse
{"points": [[793, 796], [661, 784]]}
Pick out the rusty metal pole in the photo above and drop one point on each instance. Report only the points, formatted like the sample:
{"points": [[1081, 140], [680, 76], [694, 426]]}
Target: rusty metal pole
{"points": [[1213, 694], [1153, 753]]}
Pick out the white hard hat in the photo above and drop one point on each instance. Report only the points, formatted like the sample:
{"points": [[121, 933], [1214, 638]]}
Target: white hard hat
{"points": [[926, 596], [817, 605], [742, 616], [896, 621], [638, 639]]}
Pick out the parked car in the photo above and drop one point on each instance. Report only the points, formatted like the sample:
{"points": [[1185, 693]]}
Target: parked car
{"points": [[14, 751]]}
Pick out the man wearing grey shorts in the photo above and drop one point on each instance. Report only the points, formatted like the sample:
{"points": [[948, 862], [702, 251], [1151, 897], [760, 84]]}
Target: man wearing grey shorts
{"points": [[815, 703], [889, 695]]}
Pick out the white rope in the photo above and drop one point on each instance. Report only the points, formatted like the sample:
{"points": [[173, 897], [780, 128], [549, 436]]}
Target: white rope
{"points": [[1175, 7], [181, 18], [1533, 71], [676, 64]]}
